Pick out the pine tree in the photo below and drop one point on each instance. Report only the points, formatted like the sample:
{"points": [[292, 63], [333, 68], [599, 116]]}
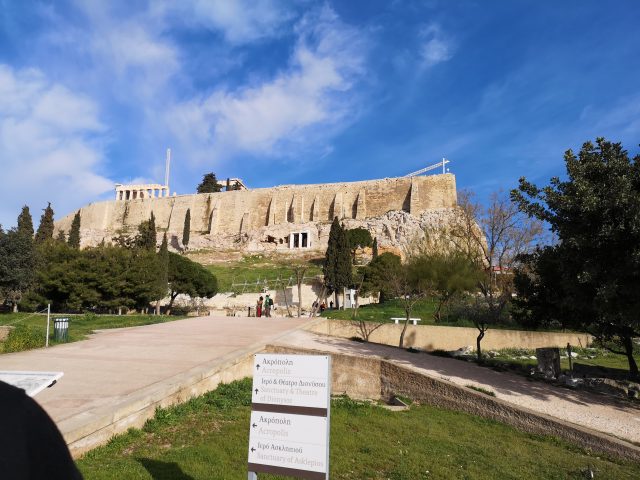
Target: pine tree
{"points": [[45, 229], [17, 266], [374, 249], [61, 237], [74, 233], [25, 222], [187, 229], [209, 184], [146, 237]]}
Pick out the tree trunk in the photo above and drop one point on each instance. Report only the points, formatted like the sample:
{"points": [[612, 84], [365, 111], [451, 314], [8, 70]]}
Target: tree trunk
{"points": [[437, 315], [404, 329], [286, 301], [335, 297], [299, 299], [15, 308], [478, 340], [172, 297], [627, 342], [357, 299], [157, 307]]}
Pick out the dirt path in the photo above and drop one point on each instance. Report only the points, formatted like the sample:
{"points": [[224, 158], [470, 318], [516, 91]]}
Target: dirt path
{"points": [[603, 413]]}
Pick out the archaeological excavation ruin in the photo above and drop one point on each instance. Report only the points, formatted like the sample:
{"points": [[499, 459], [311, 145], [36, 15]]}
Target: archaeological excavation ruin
{"points": [[285, 219]]}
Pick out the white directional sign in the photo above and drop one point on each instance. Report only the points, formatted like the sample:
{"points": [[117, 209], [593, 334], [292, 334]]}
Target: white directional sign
{"points": [[289, 441], [289, 431], [295, 380]]}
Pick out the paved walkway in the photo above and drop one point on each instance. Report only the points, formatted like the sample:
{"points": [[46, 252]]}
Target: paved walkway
{"points": [[603, 413], [112, 364]]}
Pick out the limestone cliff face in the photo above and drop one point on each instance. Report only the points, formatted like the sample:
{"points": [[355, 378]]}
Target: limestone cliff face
{"points": [[393, 209]]}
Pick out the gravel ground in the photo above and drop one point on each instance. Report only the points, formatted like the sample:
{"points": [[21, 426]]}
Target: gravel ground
{"points": [[616, 417]]}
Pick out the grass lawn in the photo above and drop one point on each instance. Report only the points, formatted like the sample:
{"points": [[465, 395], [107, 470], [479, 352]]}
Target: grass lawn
{"points": [[586, 356], [256, 271], [383, 312], [207, 438], [32, 328]]}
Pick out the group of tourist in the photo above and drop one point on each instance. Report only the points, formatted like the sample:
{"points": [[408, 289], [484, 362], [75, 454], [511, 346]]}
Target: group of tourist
{"points": [[263, 306]]}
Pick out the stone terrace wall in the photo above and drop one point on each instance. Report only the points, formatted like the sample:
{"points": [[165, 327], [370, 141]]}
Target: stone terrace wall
{"points": [[236, 213], [435, 337]]}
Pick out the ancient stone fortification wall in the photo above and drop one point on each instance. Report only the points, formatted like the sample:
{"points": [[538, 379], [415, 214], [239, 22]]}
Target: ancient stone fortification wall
{"points": [[222, 219]]}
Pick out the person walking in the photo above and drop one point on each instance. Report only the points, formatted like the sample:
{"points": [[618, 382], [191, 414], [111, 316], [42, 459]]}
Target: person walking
{"points": [[259, 307], [268, 303]]}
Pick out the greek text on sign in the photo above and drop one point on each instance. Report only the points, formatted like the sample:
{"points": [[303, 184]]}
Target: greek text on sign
{"points": [[288, 441], [295, 380], [289, 431]]}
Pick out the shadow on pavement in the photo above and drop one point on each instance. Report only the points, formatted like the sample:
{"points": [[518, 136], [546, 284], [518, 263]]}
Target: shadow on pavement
{"points": [[502, 382]]}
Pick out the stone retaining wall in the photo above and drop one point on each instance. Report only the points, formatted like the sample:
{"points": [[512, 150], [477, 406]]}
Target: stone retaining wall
{"points": [[432, 337], [373, 378]]}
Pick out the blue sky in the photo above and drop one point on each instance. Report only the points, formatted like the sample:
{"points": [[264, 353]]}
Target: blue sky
{"points": [[279, 92]]}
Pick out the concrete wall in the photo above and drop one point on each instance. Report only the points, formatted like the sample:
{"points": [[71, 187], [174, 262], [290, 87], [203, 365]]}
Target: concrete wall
{"points": [[238, 212], [241, 301], [430, 337], [88, 430]]}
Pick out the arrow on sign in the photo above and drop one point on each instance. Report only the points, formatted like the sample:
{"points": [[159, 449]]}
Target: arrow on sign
{"points": [[256, 391], [253, 449], [254, 425], [257, 367]]}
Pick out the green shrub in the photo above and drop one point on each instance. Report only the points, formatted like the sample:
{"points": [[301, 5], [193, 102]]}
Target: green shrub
{"points": [[23, 338]]}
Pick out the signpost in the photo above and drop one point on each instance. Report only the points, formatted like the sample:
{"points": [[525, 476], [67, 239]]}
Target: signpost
{"points": [[290, 403]]}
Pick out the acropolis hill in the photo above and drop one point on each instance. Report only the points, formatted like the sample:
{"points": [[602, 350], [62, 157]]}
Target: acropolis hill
{"points": [[287, 218]]}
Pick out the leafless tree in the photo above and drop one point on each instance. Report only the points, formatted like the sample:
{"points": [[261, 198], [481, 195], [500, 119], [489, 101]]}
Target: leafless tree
{"points": [[299, 269], [405, 287], [493, 236]]}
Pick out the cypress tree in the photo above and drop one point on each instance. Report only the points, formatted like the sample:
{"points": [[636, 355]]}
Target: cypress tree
{"points": [[329, 265], [163, 278], [61, 237], [187, 229], [374, 249], [45, 229], [343, 263], [74, 233], [337, 262], [25, 222]]}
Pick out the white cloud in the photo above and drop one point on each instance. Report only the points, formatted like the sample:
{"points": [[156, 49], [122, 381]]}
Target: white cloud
{"points": [[435, 47], [48, 146], [293, 111], [239, 21]]}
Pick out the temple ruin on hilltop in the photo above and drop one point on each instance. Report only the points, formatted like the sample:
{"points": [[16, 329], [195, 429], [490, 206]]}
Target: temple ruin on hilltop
{"points": [[289, 218]]}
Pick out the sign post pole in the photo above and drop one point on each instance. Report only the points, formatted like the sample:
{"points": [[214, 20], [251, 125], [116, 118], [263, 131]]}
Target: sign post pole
{"points": [[46, 342]]}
